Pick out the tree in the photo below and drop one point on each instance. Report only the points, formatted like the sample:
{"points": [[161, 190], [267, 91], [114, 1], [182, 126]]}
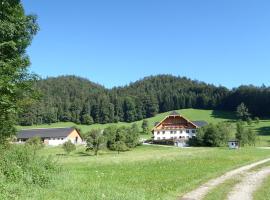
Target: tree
{"points": [[129, 110], [16, 33], [35, 142], [95, 140], [257, 120], [249, 121], [69, 147], [120, 146], [252, 137], [242, 111], [242, 134], [245, 136], [145, 126], [212, 135], [87, 119]]}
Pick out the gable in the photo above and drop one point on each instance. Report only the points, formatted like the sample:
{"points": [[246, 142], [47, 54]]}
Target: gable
{"points": [[74, 134], [175, 122]]}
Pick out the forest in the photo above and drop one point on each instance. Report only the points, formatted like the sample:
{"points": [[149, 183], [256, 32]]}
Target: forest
{"points": [[76, 99]]}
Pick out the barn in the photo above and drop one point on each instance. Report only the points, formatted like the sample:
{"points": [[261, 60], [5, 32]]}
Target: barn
{"points": [[51, 136]]}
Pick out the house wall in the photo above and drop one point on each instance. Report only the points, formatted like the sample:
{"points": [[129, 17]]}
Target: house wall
{"points": [[72, 137], [174, 134], [55, 141]]}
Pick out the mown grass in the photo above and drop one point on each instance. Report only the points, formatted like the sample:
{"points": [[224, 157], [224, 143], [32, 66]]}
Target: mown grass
{"points": [[147, 172]]}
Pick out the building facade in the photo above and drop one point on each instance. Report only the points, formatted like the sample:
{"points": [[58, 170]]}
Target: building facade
{"points": [[176, 127]]}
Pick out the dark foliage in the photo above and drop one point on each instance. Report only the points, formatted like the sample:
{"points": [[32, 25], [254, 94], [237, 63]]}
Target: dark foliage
{"points": [[70, 98]]}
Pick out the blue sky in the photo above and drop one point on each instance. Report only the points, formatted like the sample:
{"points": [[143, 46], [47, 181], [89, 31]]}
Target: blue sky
{"points": [[116, 42]]}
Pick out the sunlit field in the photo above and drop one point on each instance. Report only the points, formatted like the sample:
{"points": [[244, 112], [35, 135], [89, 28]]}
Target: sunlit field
{"points": [[147, 172]]}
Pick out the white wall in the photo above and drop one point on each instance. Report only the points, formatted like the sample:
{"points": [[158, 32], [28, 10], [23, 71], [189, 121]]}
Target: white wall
{"points": [[58, 141], [175, 134]]}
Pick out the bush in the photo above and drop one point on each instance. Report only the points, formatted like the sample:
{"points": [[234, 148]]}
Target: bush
{"points": [[35, 142], [21, 164], [163, 142], [124, 137], [95, 140], [212, 135], [69, 147]]}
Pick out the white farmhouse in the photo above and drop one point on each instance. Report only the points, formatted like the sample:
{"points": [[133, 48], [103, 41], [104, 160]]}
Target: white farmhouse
{"points": [[177, 128], [51, 136]]}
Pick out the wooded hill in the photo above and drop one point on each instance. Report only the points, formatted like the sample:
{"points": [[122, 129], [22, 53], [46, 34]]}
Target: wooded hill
{"points": [[75, 99]]}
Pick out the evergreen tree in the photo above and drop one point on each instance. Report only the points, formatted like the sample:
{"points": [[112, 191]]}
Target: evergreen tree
{"points": [[145, 127], [242, 112]]}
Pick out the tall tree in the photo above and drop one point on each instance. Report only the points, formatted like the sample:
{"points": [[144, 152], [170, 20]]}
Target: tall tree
{"points": [[95, 140], [242, 111], [16, 32]]}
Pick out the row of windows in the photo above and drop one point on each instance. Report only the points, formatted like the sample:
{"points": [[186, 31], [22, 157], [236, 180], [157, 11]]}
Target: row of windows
{"points": [[56, 138], [174, 132], [181, 137]]}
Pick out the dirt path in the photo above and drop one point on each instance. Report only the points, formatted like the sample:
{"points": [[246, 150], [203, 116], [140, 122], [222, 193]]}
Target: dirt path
{"points": [[249, 184], [201, 191]]}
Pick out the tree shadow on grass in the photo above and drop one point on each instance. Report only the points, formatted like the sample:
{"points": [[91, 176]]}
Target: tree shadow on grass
{"points": [[264, 130], [229, 116], [81, 153]]}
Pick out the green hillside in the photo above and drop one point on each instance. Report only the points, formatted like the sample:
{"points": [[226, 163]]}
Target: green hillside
{"points": [[193, 114], [211, 116]]}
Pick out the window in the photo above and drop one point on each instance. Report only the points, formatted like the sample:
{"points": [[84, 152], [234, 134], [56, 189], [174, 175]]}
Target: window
{"points": [[163, 132], [158, 132], [181, 131], [174, 132], [171, 137], [187, 131], [164, 138], [171, 132], [158, 138], [193, 131], [62, 138]]}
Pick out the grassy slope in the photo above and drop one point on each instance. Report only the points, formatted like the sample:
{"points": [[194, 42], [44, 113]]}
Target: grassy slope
{"points": [[192, 114], [145, 173], [263, 128]]}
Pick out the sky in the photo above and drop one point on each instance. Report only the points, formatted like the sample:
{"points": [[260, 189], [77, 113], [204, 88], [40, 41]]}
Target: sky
{"points": [[113, 43]]}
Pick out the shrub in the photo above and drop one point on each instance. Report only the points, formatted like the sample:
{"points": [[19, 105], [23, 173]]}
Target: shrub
{"points": [[95, 140], [124, 136], [20, 165], [212, 135], [35, 142], [69, 147], [163, 142]]}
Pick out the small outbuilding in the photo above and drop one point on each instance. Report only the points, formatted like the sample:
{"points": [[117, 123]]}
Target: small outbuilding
{"points": [[233, 144], [51, 136]]}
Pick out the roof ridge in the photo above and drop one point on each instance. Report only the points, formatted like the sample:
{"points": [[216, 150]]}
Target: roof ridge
{"points": [[44, 128]]}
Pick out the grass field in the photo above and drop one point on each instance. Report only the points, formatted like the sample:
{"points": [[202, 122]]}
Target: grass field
{"points": [[147, 172], [263, 128]]}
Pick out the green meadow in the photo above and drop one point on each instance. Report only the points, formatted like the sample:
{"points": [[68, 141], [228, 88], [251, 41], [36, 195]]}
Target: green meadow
{"points": [[147, 172], [211, 116]]}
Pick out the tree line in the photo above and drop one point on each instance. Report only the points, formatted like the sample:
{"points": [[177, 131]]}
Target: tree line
{"points": [[75, 99]]}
